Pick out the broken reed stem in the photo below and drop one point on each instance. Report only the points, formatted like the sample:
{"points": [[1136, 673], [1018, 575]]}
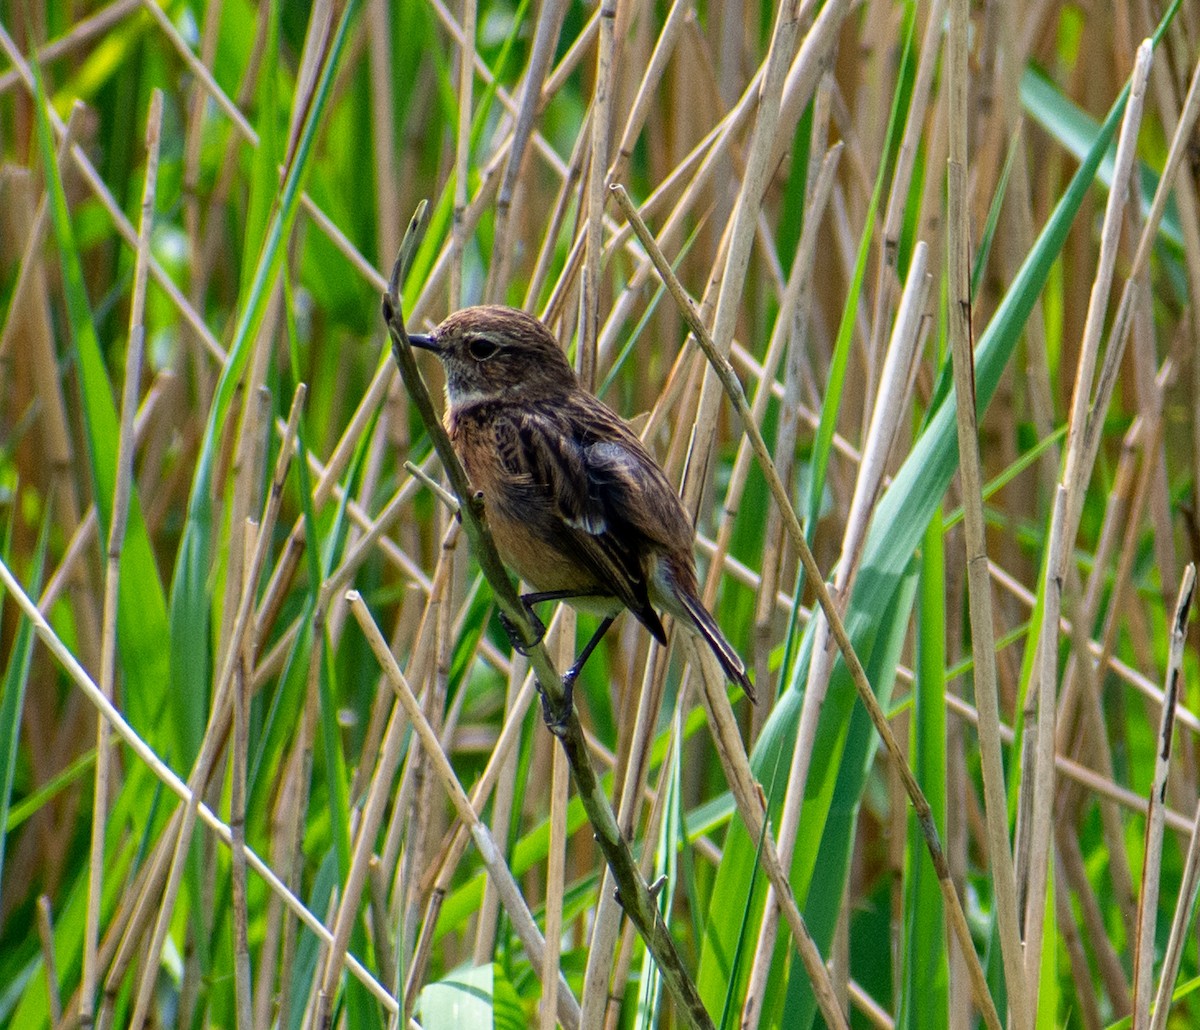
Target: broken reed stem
{"points": [[858, 675], [634, 892]]}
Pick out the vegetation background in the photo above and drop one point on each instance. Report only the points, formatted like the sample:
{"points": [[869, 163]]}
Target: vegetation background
{"points": [[198, 206]]}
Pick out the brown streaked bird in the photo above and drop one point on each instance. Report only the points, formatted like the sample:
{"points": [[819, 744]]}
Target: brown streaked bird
{"points": [[577, 506]]}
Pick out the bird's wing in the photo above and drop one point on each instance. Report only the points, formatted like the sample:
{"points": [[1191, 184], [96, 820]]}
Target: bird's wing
{"points": [[599, 496]]}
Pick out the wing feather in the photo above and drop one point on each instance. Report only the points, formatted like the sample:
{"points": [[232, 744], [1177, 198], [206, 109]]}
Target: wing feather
{"points": [[591, 491]]}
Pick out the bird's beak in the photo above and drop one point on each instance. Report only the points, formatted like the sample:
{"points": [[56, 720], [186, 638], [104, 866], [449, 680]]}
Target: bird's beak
{"points": [[426, 341]]}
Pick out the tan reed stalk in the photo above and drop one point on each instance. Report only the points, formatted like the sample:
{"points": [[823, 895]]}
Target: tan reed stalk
{"points": [[1064, 525], [1184, 906], [1143, 955], [117, 524], [978, 585], [799, 282], [545, 38], [898, 191], [556, 861], [771, 122], [589, 292], [462, 142], [239, 755]]}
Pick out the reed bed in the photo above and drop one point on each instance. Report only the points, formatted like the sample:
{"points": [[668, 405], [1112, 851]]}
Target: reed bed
{"points": [[267, 758]]}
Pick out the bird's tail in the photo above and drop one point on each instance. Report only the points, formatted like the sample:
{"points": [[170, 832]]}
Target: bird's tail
{"points": [[707, 627]]}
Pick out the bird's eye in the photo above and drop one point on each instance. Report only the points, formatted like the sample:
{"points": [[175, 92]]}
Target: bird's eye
{"points": [[481, 348]]}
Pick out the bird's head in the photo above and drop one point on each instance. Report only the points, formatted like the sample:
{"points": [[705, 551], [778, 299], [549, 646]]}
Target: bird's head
{"points": [[494, 352]]}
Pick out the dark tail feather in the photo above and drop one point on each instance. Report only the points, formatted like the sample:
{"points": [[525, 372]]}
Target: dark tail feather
{"points": [[707, 627]]}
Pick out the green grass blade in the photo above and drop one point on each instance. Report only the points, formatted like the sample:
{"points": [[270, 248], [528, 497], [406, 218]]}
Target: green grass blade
{"points": [[141, 606], [16, 680], [924, 959]]}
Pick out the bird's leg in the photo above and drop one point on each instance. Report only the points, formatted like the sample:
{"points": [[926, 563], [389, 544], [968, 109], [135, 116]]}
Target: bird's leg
{"points": [[556, 721], [539, 627]]}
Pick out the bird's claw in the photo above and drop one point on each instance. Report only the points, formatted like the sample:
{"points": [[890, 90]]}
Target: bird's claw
{"points": [[515, 636], [558, 716]]}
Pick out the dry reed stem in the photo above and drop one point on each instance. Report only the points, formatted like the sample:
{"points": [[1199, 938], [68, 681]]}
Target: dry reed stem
{"points": [[1184, 905], [117, 524], [240, 748], [1143, 955], [589, 287], [1064, 526], [1036, 802], [557, 856], [545, 38], [771, 121], [1000, 854], [782, 337], [466, 81], [813, 573]]}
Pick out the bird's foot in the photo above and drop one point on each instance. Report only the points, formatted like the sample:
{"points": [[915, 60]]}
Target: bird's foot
{"points": [[557, 716], [515, 636]]}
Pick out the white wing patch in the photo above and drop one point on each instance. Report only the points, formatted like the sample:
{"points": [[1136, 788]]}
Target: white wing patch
{"points": [[591, 523]]}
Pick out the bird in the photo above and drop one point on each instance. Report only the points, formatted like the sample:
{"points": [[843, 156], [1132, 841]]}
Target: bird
{"points": [[577, 506]]}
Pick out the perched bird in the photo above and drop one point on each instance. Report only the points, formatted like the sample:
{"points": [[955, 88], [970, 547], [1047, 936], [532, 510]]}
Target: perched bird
{"points": [[577, 506]]}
